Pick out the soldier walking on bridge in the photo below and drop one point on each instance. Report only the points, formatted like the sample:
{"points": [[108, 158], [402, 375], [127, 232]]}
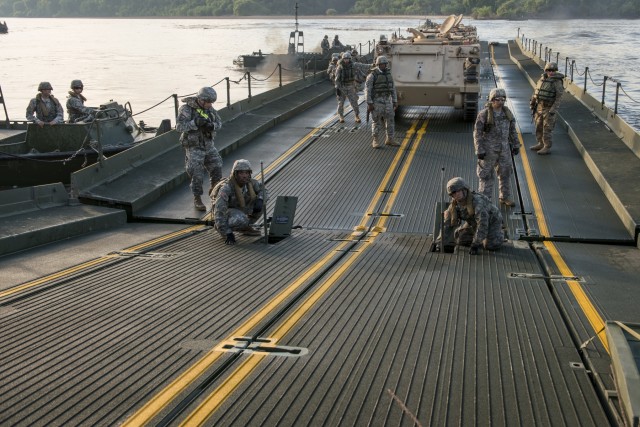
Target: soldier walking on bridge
{"points": [[198, 121], [544, 104], [495, 140], [345, 83], [382, 101]]}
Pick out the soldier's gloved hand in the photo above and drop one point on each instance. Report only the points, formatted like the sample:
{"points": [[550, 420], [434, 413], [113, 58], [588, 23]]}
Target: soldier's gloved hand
{"points": [[200, 121], [515, 151], [473, 250], [481, 156], [230, 240], [370, 108], [257, 206], [210, 126]]}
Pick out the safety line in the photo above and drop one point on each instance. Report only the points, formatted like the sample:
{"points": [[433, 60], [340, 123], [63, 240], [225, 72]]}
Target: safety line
{"points": [[213, 401], [589, 310]]}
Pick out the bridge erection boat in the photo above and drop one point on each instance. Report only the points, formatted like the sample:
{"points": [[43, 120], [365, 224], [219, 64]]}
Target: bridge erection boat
{"points": [[350, 318]]}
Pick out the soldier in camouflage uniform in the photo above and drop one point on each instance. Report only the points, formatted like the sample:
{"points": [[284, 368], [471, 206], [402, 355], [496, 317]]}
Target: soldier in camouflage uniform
{"points": [[345, 83], [75, 104], [544, 104], [382, 101], [477, 222], [331, 70], [44, 108], [238, 202], [198, 121], [495, 140]]}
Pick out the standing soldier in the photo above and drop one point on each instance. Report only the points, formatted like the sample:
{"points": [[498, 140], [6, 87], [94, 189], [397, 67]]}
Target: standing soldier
{"points": [[331, 70], [336, 43], [544, 104], [345, 83], [495, 140], [472, 218], [44, 108], [324, 45], [198, 121], [75, 104], [238, 202], [382, 101]]}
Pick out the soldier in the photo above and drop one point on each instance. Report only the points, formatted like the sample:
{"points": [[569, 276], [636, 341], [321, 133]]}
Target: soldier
{"points": [[544, 104], [331, 70], [382, 101], [238, 202], [336, 43], [324, 45], [198, 121], [345, 83], [472, 218], [75, 104], [44, 108], [495, 140]]}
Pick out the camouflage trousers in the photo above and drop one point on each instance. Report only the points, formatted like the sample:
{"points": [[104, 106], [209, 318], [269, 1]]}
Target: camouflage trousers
{"points": [[383, 119], [351, 93], [495, 237], [495, 162], [545, 122], [199, 159], [237, 219]]}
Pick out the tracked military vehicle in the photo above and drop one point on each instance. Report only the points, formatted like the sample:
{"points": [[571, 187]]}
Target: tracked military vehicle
{"points": [[436, 65]]}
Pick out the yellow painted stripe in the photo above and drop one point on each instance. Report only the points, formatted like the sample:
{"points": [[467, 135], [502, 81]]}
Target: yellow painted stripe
{"points": [[213, 401], [586, 305]]}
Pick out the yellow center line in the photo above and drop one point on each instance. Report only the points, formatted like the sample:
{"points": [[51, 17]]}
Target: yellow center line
{"points": [[213, 401]]}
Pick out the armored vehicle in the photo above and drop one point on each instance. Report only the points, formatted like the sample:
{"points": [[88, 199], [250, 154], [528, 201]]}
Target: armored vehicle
{"points": [[436, 65]]}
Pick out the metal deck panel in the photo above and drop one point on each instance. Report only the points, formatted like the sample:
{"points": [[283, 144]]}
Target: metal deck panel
{"points": [[87, 350], [455, 339]]}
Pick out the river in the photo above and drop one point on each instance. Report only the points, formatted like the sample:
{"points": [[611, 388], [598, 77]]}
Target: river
{"points": [[144, 61]]}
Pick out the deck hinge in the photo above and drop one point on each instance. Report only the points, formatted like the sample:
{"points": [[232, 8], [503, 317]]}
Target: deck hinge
{"points": [[263, 346], [542, 276]]}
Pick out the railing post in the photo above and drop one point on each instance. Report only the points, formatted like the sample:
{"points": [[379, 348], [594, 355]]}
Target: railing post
{"points": [[540, 55], [557, 57], [604, 88], [615, 110], [566, 65], [518, 32], [228, 92], [586, 75], [249, 83], [280, 74], [573, 63], [175, 104]]}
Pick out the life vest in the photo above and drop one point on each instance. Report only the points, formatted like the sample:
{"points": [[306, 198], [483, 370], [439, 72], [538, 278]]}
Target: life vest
{"points": [[44, 112]]}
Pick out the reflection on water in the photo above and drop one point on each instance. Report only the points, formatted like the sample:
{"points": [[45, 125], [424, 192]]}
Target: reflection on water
{"points": [[144, 61]]}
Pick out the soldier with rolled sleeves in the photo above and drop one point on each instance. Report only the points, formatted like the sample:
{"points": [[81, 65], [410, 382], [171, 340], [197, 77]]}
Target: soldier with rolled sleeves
{"points": [[238, 202], [345, 83], [495, 140], [474, 220], [198, 121], [75, 104], [45, 108], [331, 69], [382, 101], [544, 104]]}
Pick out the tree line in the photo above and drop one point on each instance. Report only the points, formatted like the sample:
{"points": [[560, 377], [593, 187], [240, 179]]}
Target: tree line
{"points": [[480, 9]]}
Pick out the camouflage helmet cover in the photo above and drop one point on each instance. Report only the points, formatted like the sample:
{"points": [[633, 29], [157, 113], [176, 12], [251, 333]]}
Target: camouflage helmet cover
{"points": [[76, 83], [455, 184], [383, 38], [346, 55], [335, 56], [44, 86], [497, 93], [551, 66], [207, 94], [241, 165], [381, 60]]}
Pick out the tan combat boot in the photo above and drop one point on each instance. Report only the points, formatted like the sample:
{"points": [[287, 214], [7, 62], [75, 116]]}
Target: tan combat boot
{"points": [[197, 203], [545, 150], [358, 119], [375, 143], [341, 120], [538, 146], [391, 142], [507, 202]]}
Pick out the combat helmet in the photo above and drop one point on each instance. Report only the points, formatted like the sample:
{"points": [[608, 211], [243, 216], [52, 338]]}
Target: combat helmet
{"points": [[382, 60], [44, 86], [551, 66], [207, 94], [497, 93], [76, 83], [455, 184], [241, 165], [346, 55], [335, 56]]}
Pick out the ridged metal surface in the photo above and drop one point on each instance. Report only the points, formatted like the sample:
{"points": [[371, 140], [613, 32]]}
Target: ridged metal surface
{"points": [[451, 336]]}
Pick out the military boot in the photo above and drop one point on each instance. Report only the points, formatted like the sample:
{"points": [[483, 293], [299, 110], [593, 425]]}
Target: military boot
{"points": [[507, 202], [197, 203], [375, 143], [545, 150], [358, 119], [391, 142], [341, 120], [538, 146]]}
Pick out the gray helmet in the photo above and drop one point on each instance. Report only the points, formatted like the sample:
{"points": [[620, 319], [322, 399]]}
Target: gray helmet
{"points": [[44, 86], [346, 55], [456, 184], [381, 60], [76, 83], [241, 165], [335, 56], [551, 66], [497, 93], [207, 94], [383, 38], [326, 36]]}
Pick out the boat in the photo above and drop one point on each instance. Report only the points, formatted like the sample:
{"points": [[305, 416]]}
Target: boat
{"points": [[350, 318], [34, 155]]}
